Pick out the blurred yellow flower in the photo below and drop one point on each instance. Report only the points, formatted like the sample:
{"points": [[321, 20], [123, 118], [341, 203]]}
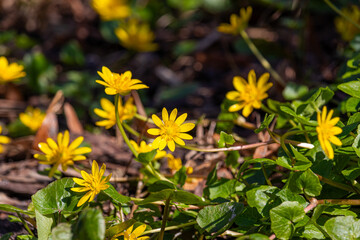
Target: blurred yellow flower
{"points": [[32, 118], [126, 112], [327, 130], [129, 234], [119, 83], [144, 148], [237, 23], [170, 129], [249, 94], [174, 163], [10, 72], [346, 29], [91, 183], [61, 152], [111, 9], [3, 140], [136, 36]]}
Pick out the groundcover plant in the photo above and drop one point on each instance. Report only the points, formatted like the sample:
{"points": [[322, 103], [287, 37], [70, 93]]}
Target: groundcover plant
{"points": [[279, 159]]}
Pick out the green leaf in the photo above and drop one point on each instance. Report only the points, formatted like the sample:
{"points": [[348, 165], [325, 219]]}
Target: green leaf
{"points": [[266, 122], [10, 208], [222, 188], [72, 54], [181, 196], [161, 185], [175, 195], [180, 176], [225, 140], [356, 144], [304, 183], [318, 99], [343, 228], [43, 224], [6, 236], [298, 166], [261, 198], [351, 173], [146, 158], [57, 197], [62, 232], [249, 217], [300, 119], [25, 237], [115, 196], [336, 210], [287, 195], [294, 91], [219, 218], [351, 88], [352, 104], [312, 232], [283, 218], [212, 177], [90, 226], [118, 228]]}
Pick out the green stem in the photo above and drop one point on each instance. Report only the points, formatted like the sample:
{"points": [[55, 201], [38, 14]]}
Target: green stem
{"points": [[336, 184], [338, 11], [228, 149], [142, 118], [156, 230], [266, 109], [353, 202], [25, 224], [165, 216], [131, 130], [261, 58], [119, 125], [265, 175]]}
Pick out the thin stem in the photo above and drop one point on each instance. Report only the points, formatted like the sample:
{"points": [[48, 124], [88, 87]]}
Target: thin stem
{"points": [[25, 224], [228, 149], [119, 125], [354, 202], [131, 130], [338, 11], [335, 184], [156, 230], [142, 118], [165, 216], [261, 58], [265, 175]]}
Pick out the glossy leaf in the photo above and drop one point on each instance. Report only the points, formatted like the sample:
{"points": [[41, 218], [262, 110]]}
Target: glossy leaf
{"points": [[57, 197], [225, 140], [266, 122], [90, 225], [146, 158], [343, 228], [351, 88], [305, 182], [217, 219], [43, 224], [283, 218], [62, 232]]}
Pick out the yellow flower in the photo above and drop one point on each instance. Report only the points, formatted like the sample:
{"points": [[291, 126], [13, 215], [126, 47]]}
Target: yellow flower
{"points": [[144, 148], [129, 234], [174, 163], [327, 130], [170, 129], [237, 23], [136, 36], [61, 152], [119, 83], [346, 29], [111, 9], [3, 140], [32, 118], [248, 94], [126, 112], [10, 72], [92, 183]]}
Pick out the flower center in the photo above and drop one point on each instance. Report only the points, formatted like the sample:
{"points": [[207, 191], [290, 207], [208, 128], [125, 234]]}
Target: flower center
{"points": [[170, 129]]}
